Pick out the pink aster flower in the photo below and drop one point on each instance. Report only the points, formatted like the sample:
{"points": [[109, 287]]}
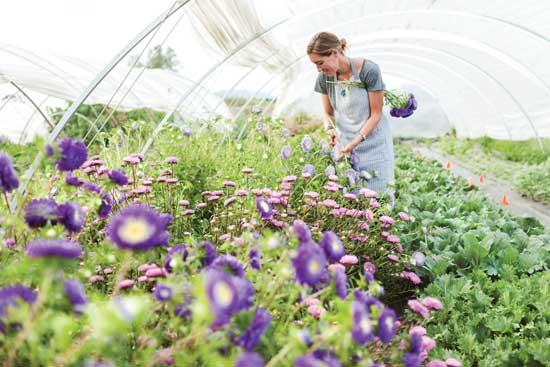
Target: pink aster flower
{"points": [[312, 195], [432, 303], [418, 308], [188, 212], [213, 198], [451, 362], [404, 216], [333, 177], [172, 160], [229, 201], [349, 260], [336, 266], [317, 311], [411, 276], [247, 170], [310, 301], [184, 202], [417, 330], [369, 215], [386, 219], [126, 283], [229, 184], [393, 258], [368, 193], [290, 178], [201, 205], [436, 363], [241, 192], [393, 239], [427, 343], [224, 237]]}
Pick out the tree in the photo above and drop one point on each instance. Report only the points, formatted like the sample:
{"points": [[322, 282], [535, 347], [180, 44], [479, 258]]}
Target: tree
{"points": [[158, 59]]}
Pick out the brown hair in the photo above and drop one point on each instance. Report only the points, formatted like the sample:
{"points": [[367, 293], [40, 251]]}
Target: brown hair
{"points": [[323, 43]]}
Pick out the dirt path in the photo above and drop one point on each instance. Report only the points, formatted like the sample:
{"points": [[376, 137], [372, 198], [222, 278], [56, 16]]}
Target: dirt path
{"points": [[518, 205]]}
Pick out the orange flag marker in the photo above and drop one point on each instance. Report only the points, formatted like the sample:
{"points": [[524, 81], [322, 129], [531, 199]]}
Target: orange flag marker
{"points": [[449, 165], [481, 179], [504, 200]]}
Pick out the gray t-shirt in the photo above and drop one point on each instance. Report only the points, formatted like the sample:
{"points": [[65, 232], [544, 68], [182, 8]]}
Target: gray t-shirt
{"points": [[369, 74]]}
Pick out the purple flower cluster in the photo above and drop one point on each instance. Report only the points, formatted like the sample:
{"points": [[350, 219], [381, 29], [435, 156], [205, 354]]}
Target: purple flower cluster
{"points": [[39, 211], [8, 177], [73, 153], [406, 111], [56, 248]]}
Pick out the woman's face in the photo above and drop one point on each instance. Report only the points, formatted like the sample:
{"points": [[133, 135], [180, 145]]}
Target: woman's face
{"points": [[326, 64]]}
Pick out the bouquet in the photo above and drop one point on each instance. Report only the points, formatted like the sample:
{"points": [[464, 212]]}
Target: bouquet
{"points": [[402, 104]]}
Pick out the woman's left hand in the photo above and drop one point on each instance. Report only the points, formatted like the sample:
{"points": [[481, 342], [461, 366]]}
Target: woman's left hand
{"points": [[347, 149]]}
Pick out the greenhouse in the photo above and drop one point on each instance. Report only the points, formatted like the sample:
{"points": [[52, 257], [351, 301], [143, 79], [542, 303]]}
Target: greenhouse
{"points": [[269, 184]]}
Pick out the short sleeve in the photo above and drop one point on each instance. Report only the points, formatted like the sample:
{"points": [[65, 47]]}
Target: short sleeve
{"points": [[372, 76], [321, 84]]}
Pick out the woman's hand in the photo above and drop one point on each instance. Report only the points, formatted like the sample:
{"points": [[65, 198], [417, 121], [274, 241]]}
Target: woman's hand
{"points": [[345, 150], [332, 134]]}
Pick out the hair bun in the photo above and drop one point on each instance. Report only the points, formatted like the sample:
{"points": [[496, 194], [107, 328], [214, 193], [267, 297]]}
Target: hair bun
{"points": [[343, 44]]}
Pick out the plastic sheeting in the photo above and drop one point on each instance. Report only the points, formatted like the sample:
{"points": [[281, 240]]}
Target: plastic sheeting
{"points": [[63, 78], [480, 67]]}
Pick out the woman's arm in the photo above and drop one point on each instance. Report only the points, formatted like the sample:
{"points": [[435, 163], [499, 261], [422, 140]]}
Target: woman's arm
{"points": [[376, 101]]}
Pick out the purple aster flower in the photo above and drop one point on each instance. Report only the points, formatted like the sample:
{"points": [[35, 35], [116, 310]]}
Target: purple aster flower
{"points": [[49, 150], [92, 186], [264, 207], [259, 324], [334, 249], [351, 175], [309, 169], [178, 249], [8, 177], [305, 337], [307, 143], [71, 216], [412, 359], [106, 206], [73, 180], [418, 258], [286, 152], [328, 358], [386, 325], [307, 361], [162, 292], [227, 294], [249, 359], [310, 264], [341, 283], [209, 253], [330, 170], [182, 310], [254, 259], [361, 328], [369, 277], [118, 176], [230, 264], [75, 292], [366, 299], [39, 211], [8, 297], [60, 248], [302, 231], [73, 153], [9, 294], [138, 227]]}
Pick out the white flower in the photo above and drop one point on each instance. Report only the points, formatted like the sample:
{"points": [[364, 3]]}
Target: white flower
{"points": [[264, 156], [239, 146]]}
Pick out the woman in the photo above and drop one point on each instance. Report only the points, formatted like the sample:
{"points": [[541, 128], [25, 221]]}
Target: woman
{"points": [[360, 125]]}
